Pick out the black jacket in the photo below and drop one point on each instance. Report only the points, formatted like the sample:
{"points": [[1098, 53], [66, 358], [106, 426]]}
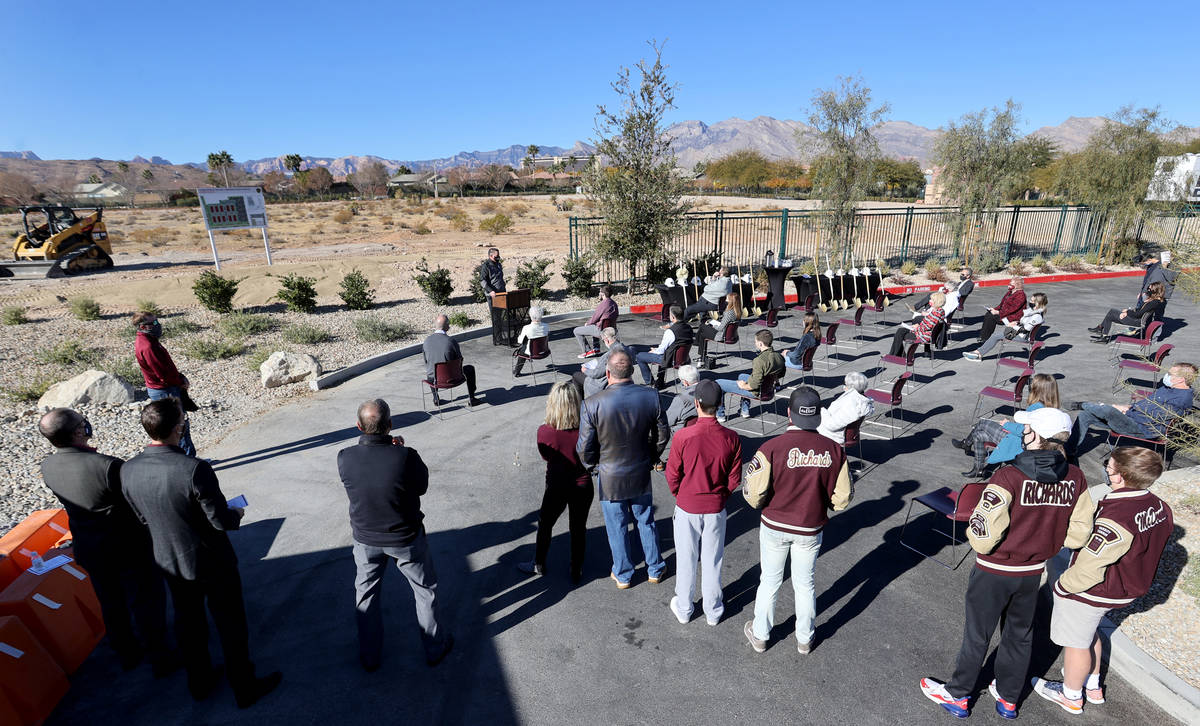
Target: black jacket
{"points": [[179, 499], [491, 276], [88, 484], [384, 481], [683, 334], [622, 432]]}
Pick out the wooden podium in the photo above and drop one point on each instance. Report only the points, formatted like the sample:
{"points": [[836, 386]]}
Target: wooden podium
{"points": [[510, 313]]}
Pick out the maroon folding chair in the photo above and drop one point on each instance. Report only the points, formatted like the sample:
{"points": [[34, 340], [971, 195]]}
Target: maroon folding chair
{"points": [[1011, 397], [728, 337], [772, 319], [1018, 363], [806, 366], [1153, 366], [857, 324], [1025, 342], [810, 303], [1142, 343], [954, 506], [608, 323], [539, 349], [894, 400], [908, 361], [683, 356], [765, 397], [852, 436], [935, 339], [446, 376], [831, 345]]}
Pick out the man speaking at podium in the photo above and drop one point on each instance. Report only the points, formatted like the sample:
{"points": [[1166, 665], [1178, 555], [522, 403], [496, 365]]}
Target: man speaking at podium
{"points": [[491, 277]]}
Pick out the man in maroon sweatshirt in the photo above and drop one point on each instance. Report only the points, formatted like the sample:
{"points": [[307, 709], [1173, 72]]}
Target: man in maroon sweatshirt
{"points": [[1025, 513], [1115, 568], [704, 468], [1010, 308], [605, 315], [163, 379]]}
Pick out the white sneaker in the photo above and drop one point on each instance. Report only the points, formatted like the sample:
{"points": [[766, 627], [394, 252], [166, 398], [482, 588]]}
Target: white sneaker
{"points": [[683, 620]]}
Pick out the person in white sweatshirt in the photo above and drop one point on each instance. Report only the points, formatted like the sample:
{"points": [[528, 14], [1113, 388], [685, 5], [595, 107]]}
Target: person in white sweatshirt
{"points": [[847, 408]]}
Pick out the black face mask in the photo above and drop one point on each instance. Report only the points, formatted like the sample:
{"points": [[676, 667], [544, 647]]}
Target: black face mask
{"points": [[154, 330]]}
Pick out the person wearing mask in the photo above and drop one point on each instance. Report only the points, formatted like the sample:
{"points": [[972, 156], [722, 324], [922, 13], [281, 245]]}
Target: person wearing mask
{"points": [[677, 333], [1158, 271], [588, 333], [439, 347], [712, 329], [162, 378], [923, 331], [1146, 418], [1034, 315], [1007, 435], [1152, 305], [1010, 308], [491, 278]]}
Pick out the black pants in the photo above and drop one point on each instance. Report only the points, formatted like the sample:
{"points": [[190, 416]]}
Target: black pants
{"points": [[123, 578], [707, 333], [700, 306], [499, 330], [223, 596], [1114, 316], [578, 378], [902, 336], [990, 598], [469, 374], [989, 325], [559, 497]]}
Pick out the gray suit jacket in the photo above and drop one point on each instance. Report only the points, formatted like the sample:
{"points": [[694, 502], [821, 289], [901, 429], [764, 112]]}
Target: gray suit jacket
{"points": [[439, 348], [964, 288], [179, 499]]}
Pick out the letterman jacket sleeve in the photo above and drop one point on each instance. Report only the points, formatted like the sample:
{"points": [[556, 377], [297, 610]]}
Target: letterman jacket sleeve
{"points": [[843, 490], [1079, 528], [757, 486], [1108, 543], [990, 519]]}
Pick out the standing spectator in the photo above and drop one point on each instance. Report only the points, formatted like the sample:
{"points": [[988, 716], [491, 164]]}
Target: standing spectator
{"points": [[491, 278], [439, 347], [677, 333], [109, 542], [622, 432], [810, 337], [704, 468], [1117, 566], [1152, 304], [923, 332], [710, 298], [1010, 308], [586, 334], [163, 379], [711, 329], [847, 408], [1033, 316], [592, 375], [1147, 418], [1007, 435], [799, 476], [683, 405], [1025, 515], [384, 481], [568, 484], [179, 499], [535, 328], [1158, 271]]}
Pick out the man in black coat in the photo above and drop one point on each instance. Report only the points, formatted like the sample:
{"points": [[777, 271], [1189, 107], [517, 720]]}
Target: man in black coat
{"points": [[179, 499], [491, 277], [108, 541], [384, 481]]}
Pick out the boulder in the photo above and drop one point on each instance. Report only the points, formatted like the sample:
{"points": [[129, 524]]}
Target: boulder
{"points": [[87, 387], [284, 368]]}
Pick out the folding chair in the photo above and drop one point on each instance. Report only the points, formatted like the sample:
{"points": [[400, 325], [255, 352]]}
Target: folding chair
{"points": [[446, 376], [1019, 363], [766, 396], [810, 303], [853, 437], [806, 367], [935, 336], [772, 319], [609, 323], [1153, 366], [662, 317], [831, 345], [1158, 445], [879, 308], [908, 361], [1142, 343], [539, 349], [1025, 342], [728, 337], [1011, 397], [960, 312], [857, 324], [894, 400], [954, 506], [683, 356]]}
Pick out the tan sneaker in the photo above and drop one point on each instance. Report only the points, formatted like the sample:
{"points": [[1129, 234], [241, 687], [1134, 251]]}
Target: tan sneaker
{"points": [[620, 585]]}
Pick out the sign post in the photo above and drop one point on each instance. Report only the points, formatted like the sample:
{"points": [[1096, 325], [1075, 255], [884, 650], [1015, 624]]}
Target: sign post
{"points": [[229, 208]]}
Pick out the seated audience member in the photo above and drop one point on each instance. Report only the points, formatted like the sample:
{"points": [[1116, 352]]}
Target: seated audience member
{"points": [[1034, 315], [810, 338], [586, 334], [683, 406], [1043, 393], [1152, 306], [439, 347], [712, 329], [1147, 418], [766, 363], [847, 408], [534, 329], [950, 290], [963, 288], [591, 376], [1010, 308], [710, 297], [923, 332], [677, 333]]}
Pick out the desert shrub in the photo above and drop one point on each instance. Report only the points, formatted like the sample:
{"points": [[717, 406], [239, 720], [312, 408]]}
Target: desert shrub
{"points": [[934, 271], [149, 306], [1095, 260], [422, 228], [31, 389], [85, 308], [908, 268], [462, 320], [343, 216], [127, 370], [1059, 260], [448, 211], [954, 265], [880, 265], [1017, 267], [155, 236], [213, 348], [14, 315], [215, 292], [180, 328], [242, 325], [460, 222], [302, 333], [990, 262], [1072, 264], [475, 287], [298, 293], [518, 209], [565, 205], [579, 276], [490, 206], [434, 283], [69, 353], [386, 220], [373, 329], [533, 275], [258, 357], [356, 291], [498, 223], [1040, 264]]}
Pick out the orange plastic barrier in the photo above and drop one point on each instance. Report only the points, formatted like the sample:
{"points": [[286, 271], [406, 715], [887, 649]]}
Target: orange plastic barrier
{"points": [[92, 603], [40, 531], [60, 609], [31, 682]]}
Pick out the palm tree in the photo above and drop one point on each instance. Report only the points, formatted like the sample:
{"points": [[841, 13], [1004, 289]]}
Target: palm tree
{"points": [[221, 160]]}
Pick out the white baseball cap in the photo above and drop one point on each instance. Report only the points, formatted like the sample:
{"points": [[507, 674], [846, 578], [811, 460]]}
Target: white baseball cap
{"points": [[1045, 422]]}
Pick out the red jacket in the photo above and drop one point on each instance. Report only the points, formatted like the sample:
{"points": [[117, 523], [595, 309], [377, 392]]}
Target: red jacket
{"points": [[705, 466], [1011, 305], [158, 369]]}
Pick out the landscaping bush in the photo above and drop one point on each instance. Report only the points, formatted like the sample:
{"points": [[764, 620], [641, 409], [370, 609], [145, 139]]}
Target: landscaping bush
{"points": [[908, 268], [1124, 251], [357, 292], [298, 293], [533, 275], [518, 209], [213, 348], [69, 353], [434, 283], [934, 271], [475, 286], [489, 206], [149, 306], [422, 229], [880, 265], [14, 315], [302, 333], [85, 308], [373, 329], [343, 216], [127, 370], [1040, 264], [1072, 264], [496, 224], [1059, 260], [242, 325], [460, 222], [990, 262], [954, 265], [215, 292], [31, 389], [462, 320], [1095, 260], [258, 357], [579, 276], [180, 328], [1017, 268]]}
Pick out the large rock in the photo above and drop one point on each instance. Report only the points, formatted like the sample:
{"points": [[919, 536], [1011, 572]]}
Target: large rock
{"points": [[87, 387], [284, 368]]}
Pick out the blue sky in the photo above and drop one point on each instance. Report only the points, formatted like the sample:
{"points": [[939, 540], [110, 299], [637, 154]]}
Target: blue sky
{"points": [[416, 80]]}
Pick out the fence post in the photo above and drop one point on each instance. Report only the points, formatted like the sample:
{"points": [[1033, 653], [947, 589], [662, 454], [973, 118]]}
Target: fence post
{"points": [[571, 236], [908, 217], [1012, 231], [1062, 219], [783, 224]]}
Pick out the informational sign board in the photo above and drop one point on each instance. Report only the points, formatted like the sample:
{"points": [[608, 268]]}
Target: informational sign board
{"points": [[233, 208]]}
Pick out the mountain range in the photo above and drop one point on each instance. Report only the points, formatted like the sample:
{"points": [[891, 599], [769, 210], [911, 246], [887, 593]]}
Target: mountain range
{"points": [[693, 142]]}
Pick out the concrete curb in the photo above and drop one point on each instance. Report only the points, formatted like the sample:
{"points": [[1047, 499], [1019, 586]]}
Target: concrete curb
{"points": [[354, 370]]}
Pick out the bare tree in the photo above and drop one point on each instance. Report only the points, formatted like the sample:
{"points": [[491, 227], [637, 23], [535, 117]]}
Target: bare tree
{"points": [[458, 178], [15, 188], [495, 176], [370, 180]]}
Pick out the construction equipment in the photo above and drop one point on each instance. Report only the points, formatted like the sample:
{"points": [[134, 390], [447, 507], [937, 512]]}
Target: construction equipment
{"points": [[58, 242]]}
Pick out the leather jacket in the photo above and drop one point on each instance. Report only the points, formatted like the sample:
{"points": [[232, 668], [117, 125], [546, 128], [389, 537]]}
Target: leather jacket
{"points": [[491, 276], [622, 432]]}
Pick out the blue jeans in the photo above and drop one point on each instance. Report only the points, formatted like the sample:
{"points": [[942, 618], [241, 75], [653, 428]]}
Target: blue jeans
{"points": [[616, 520], [644, 360], [1105, 415], [730, 386], [185, 441], [774, 547]]}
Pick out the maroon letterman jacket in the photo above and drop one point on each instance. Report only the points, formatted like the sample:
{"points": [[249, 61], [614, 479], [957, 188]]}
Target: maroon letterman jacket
{"points": [[799, 475]]}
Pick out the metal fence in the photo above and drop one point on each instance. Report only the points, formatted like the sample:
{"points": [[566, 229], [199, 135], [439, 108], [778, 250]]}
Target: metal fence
{"points": [[894, 235]]}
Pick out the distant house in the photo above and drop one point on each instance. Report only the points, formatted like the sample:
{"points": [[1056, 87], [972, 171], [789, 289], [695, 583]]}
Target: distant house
{"points": [[572, 165], [101, 192], [422, 180]]}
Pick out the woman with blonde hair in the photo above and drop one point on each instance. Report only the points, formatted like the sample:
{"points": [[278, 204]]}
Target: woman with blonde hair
{"points": [[1007, 435], [711, 328], [923, 332], [568, 484]]}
